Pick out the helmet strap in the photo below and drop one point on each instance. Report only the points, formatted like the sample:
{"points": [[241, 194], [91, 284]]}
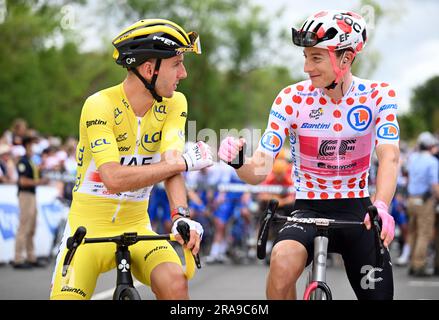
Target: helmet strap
{"points": [[339, 72], [150, 86]]}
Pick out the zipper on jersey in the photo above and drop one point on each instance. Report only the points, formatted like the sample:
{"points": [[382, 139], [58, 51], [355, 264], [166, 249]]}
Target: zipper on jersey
{"points": [[116, 212], [138, 136], [136, 149]]}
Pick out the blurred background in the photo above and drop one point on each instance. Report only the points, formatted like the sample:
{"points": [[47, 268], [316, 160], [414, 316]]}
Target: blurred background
{"points": [[56, 53]]}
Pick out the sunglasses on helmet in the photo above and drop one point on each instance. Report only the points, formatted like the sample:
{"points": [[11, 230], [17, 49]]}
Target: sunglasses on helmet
{"points": [[194, 46], [305, 38]]}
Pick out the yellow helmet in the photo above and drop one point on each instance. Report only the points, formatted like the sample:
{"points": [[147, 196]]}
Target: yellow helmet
{"points": [[153, 38]]}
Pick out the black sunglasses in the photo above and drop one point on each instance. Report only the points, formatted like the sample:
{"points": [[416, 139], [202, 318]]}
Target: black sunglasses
{"points": [[304, 38]]}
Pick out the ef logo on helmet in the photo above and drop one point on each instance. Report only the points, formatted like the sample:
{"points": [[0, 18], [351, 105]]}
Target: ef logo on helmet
{"points": [[271, 141], [359, 118]]}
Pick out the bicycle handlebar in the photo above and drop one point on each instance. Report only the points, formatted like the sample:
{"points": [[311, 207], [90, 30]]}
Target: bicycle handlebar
{"points": [[184, 230], [270, 215], [128, 239], [265, 226], [380, 250], [72, 244]]}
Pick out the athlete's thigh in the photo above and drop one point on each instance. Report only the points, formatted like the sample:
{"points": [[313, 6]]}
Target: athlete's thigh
{"points": [[368, 280], [89, 261], [146, 255], [301, 233]]}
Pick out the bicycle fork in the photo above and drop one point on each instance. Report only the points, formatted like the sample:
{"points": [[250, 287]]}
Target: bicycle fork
{"points": [[317, 284]]}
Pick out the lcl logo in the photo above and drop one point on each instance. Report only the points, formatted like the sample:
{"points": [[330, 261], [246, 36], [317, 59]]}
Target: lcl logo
{"points": [[160, 109], [149, 140]]}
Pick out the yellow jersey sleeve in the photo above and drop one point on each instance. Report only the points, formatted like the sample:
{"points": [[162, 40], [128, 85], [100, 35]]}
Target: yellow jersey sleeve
{"points": [[173, 133], [97, 123]]}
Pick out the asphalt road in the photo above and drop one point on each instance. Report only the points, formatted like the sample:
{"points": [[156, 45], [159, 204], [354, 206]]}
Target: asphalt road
{"points": [[212, 282]]}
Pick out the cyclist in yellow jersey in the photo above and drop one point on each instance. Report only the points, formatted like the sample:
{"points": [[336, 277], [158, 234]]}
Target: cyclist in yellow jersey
{"points": [[131, 137]]}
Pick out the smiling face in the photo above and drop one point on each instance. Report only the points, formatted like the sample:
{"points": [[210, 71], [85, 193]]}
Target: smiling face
{"points": [[318, 66], [171, 71]]}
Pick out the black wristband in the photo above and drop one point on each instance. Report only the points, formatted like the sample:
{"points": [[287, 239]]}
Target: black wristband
{"points": [[238, 162]]}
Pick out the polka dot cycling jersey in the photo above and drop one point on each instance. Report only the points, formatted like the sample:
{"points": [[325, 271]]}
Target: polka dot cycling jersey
{"points": [[332, 141]]}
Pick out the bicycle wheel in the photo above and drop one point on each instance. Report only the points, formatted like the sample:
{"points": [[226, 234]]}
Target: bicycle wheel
{"points": [[129, 293]]}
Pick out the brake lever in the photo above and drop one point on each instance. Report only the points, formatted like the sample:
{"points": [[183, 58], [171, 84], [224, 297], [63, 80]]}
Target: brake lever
{"points": [[184, 231], [72, 244], [261, 249], [373, 215]]}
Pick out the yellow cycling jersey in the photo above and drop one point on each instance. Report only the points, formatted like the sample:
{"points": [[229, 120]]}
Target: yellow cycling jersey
{"points": [[111, 132]]}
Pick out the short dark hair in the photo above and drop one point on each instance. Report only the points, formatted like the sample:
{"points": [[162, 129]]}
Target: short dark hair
{"points": [[425, 147], [28, 140]]}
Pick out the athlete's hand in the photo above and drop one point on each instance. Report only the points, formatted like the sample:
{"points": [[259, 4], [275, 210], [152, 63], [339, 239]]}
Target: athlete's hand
{"points": [[387, 222], [196, 234], [229, 151], [198, 156]]}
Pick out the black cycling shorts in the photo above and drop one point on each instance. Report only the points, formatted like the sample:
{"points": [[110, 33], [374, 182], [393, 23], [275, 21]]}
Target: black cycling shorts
{"points": [[355, 244]]}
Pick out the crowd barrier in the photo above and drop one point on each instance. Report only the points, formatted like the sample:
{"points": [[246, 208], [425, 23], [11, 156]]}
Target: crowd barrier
{"points": [[237, 187], [50, 213]]}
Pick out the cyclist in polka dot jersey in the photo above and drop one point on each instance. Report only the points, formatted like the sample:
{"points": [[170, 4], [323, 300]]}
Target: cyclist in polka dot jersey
{"points": [[333, 122], [332, 141]]}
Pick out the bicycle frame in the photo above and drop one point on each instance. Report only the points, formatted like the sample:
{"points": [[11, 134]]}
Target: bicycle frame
{"points": [[124, 283], [318, 279]]}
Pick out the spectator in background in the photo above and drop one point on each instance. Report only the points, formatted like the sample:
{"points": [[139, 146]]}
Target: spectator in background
{"points": [[280, 176], [159, 210], [399, 213], [69, 164], [399, 208], [69, 169], [225, 204], [19, 128], [7, 166], [423, 175], [27, 181], [436, 228]]}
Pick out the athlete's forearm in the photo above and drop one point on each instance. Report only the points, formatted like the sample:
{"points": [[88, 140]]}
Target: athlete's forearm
{"points": [[387, 176], [256, 168], [118, 178], [247, 174], [176, 191]]}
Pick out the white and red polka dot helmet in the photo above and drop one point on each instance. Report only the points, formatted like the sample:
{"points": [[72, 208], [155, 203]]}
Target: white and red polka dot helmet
{"points": [[332, 30]]}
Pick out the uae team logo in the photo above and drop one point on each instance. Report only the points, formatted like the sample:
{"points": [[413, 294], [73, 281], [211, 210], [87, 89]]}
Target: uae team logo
{"points": [[359, 118]]}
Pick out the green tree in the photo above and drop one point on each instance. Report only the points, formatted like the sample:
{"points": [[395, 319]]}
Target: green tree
{"points": [[425, 105], [45, 80], [410, 125]]}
